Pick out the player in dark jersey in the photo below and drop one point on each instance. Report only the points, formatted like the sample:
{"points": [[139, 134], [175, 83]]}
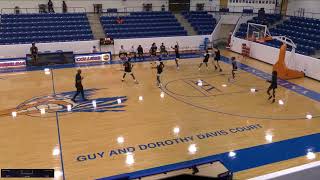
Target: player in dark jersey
{"points": [[34, 53], [128, 70], [217, 59], [273, 86], [153, 51], [140, 52], [163, 51], [78, 85], [176, 51], [205, 60], [160, 67]]}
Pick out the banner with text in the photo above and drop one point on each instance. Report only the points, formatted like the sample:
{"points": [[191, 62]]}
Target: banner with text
{"points": [[95, 57], [17, 63]]}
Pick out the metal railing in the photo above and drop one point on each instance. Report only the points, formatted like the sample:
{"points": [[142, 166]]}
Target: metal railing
{"points": [[232, 9], [237, 26], [38, 10], [135, 9], [303, 14], [217, 8]]}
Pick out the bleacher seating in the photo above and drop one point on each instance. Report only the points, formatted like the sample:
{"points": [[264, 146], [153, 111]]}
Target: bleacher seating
{"points": [[143, 24], [201, 21], [28, 28], [269, 20], [305, 33]]}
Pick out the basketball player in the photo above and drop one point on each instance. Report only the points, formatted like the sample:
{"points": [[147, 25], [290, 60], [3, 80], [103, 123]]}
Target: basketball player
{"points": [[128, 70], [217, 59], [79, 86], [34, 53], [176, 50], [163, 51], [160, 67], [153, 51], [273, 86], [133, 53], [205, 60], [234, 67], [140, 52], [122, 52]]}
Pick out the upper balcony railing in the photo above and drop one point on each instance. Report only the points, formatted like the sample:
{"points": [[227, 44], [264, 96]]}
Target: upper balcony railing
{"points": [[39, 10]]}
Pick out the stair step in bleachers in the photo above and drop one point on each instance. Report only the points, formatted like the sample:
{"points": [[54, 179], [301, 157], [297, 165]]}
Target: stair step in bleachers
{"points": [[201, 21]]}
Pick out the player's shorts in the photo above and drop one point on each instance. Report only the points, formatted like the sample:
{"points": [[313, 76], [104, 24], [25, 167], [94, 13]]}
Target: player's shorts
{"points": [[159, 74], [126, 72], [205, 60], [216, 59], [274, 86], [177, 56], [79, 87]]}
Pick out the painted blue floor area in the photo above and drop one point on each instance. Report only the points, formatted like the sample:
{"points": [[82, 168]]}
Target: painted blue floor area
{"points": [[244, 159]]}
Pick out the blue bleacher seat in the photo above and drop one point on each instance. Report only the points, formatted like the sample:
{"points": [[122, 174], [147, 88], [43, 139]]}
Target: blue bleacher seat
{"points": [[27, 28], [201, 21], [303, 31], [143, 24]]}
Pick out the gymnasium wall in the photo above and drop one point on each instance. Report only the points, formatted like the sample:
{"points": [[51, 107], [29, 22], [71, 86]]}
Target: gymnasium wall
{"points": [[293, 5], [239, 5], [307, 5], [309, 65], [185, 42], [88, 4], [20, 50], [207, 3]]}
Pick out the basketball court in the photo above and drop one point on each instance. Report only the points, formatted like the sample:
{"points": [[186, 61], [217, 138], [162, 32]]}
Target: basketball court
{"points": [[128, 127]]}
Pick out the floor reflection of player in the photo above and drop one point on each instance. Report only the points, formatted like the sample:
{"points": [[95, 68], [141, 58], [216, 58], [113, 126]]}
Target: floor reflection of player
{"points": [[273, 86]]}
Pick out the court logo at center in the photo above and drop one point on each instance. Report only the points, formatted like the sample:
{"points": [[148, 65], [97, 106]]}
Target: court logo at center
{"points": [[62, 101]]}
